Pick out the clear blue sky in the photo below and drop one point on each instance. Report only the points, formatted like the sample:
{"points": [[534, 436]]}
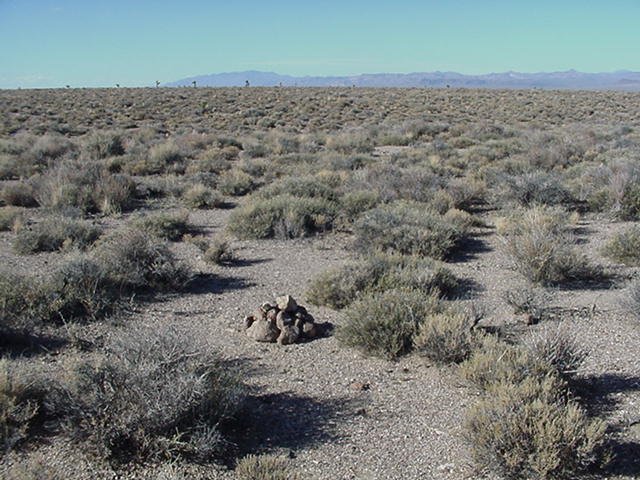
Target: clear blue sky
{"points": [[100, 43]]}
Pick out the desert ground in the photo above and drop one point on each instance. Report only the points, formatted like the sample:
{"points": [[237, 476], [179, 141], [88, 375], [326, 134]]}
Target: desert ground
{"points": [[468, 262]]}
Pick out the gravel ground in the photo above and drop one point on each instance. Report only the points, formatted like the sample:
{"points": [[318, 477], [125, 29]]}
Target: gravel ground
{"points": [[340, 415]]}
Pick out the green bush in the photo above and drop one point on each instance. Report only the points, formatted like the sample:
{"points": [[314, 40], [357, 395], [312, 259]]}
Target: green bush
{"points": [[624, 247], [340, 286], [165, 225], [448, 336], [282, 216], [302, 187], [56, 233], [529, 430], [407, 228], [151, 395], [384, 324]]}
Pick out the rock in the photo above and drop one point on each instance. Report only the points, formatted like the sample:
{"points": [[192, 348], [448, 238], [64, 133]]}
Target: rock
{"points": [[260, 314], [288, 335], [286, 303], [283, 319], [263, 331], [360, 386], [266, 306], [248, 320], [271, 315], [309, 330]]}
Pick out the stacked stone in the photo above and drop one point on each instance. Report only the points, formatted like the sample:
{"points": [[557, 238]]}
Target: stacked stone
{"points": [[285, 322]]}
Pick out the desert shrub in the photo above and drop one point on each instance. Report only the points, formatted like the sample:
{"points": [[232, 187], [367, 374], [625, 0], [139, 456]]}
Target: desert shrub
{"points": [[533, 188], [166, 225], [103, 144], [150, 395], [528, 300], [384, 324], [56, 233], [133, 259], [18, 407], [19, 296], [200, 196], [235, 182], [353, 203], [165, 154], [624, 247], [302, 187], [406, 228], [543, 354], [10, 218], [351, 142], [219, 251], [78, 289], [631, 301], [87, 186], [529, 430], [543, 249], [340, 286], [282, 216], [392, 182], [264, 467], [19, 195], [466, 192], [448, 336]]}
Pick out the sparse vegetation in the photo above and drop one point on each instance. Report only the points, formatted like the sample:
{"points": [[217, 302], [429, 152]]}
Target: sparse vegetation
{"points": [[55, 233], [264, 467], [624, 247]]}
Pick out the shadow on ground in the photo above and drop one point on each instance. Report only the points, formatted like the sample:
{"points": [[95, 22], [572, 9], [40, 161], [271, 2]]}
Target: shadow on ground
{"points": [[289, 421], [211, 283], [470, 248], [600, 395], [27, 344]]}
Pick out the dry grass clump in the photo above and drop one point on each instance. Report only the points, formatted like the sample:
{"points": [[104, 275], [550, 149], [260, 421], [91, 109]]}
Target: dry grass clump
{"points": [[542, 248], [19, 195], [18, 407], [133, 259], [150, 395], [624, 247], [56, 233], [548, 352], [531, 430], [165, 225], [631, 301], [264, 467], [534, 188], [282, 216], [100, 144], [384, 323], [11, 218], [448, 336], [87, 186], [407, 228], [340, 286], [235, 182], [202, 197], [219, 251]]}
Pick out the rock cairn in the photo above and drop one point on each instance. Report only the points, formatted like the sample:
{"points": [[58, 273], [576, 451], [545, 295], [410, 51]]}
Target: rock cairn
{"points": [[285, 322]]}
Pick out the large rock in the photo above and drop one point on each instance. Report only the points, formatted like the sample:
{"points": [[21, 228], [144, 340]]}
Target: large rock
{"points": [[288, 335], [286, 303], [263, 331]]}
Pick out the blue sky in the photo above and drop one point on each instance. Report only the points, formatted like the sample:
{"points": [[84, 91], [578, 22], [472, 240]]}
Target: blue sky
{"points": [[51, 43]]}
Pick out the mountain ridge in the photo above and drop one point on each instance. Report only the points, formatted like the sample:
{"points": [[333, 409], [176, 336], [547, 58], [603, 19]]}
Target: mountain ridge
{"points": [[568, 79]]}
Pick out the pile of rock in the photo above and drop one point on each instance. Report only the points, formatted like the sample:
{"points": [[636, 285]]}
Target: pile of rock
{"points": [[285, 322]]}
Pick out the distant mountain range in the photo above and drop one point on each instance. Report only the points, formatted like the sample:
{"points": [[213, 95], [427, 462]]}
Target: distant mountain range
{"points": [[571, 79]]}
